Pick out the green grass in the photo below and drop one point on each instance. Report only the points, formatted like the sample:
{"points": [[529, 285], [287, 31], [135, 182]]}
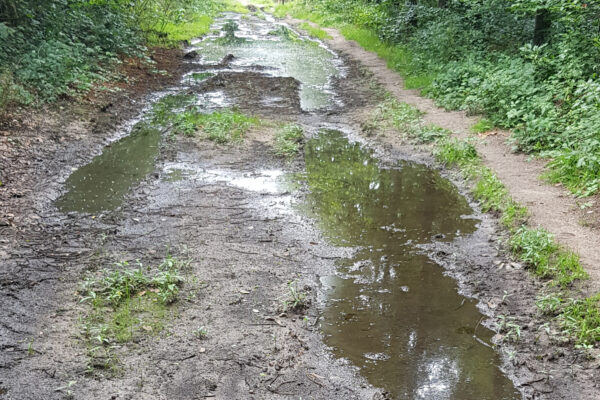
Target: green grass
{"points": [[226, 126], [179, 114], [288, 140], [315, 32], [127, 303], [482, 126], [174, 34], [538, 249], [579, 319], [406, 119]]}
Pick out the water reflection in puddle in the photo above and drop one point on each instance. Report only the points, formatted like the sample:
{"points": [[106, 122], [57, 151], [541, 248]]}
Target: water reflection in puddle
{"points": [[390, 309], [268, 44], [269, 181], [101, 184]]}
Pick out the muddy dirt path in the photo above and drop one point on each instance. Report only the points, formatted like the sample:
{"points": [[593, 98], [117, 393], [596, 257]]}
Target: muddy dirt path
{"points": [[320, 276], [551, 206]]}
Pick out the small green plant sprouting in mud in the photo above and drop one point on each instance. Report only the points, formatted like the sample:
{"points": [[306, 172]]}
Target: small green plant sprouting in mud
{"points": [[511, 330], [296, 299], [407, 119], [127, 303], [288, 140], [201, 333]]}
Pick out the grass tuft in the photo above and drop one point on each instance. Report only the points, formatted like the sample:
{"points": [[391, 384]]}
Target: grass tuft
{"points": [[537, 248], [127, 303], [407, 119], [482, 126], [288, 140]]}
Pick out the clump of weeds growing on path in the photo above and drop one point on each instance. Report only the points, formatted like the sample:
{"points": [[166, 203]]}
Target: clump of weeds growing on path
{"points": [[126, 303], [181, 115], [288, 140]]}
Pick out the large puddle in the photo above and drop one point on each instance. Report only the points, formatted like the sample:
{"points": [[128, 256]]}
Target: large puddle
{"points": [[278, 49], [390, 309], [255, 43], [101, 184]]}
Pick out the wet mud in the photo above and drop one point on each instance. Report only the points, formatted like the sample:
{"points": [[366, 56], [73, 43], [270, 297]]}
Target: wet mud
{"points": [[394, 265]]}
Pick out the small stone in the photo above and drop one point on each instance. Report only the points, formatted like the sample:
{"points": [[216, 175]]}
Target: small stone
{"points": [[191, 55]]}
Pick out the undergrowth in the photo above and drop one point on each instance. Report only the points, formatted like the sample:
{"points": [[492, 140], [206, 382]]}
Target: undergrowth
{"points": [[57, 49]]}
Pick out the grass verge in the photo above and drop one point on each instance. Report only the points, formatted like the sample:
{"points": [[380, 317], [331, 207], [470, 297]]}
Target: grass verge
{"points": [[536, 248], [314, 31]]}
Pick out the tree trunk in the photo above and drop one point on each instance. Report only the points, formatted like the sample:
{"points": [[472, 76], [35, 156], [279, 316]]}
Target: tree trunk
{"points": [[541, 30]]}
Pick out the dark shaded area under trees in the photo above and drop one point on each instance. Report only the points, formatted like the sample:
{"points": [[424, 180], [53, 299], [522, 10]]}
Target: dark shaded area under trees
{"points": [[56, 48]]}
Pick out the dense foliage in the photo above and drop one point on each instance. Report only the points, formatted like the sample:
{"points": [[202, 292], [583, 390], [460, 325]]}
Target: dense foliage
{"points": [[54, 48], [528, 65]]}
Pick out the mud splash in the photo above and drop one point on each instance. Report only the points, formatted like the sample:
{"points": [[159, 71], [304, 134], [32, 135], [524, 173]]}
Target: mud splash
{"points": [[390, 309]]}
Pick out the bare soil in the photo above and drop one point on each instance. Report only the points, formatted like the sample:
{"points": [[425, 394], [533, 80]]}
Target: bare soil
{"points": [[244, 248]]}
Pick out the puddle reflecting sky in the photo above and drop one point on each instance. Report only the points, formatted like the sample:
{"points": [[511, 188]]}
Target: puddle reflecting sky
{"points": [[390, 310], [265, 44], [101, 184]]}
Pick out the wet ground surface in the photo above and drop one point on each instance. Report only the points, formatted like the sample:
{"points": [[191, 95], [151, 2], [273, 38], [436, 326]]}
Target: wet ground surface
{"points": [[364, 236], [390, 309]]}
